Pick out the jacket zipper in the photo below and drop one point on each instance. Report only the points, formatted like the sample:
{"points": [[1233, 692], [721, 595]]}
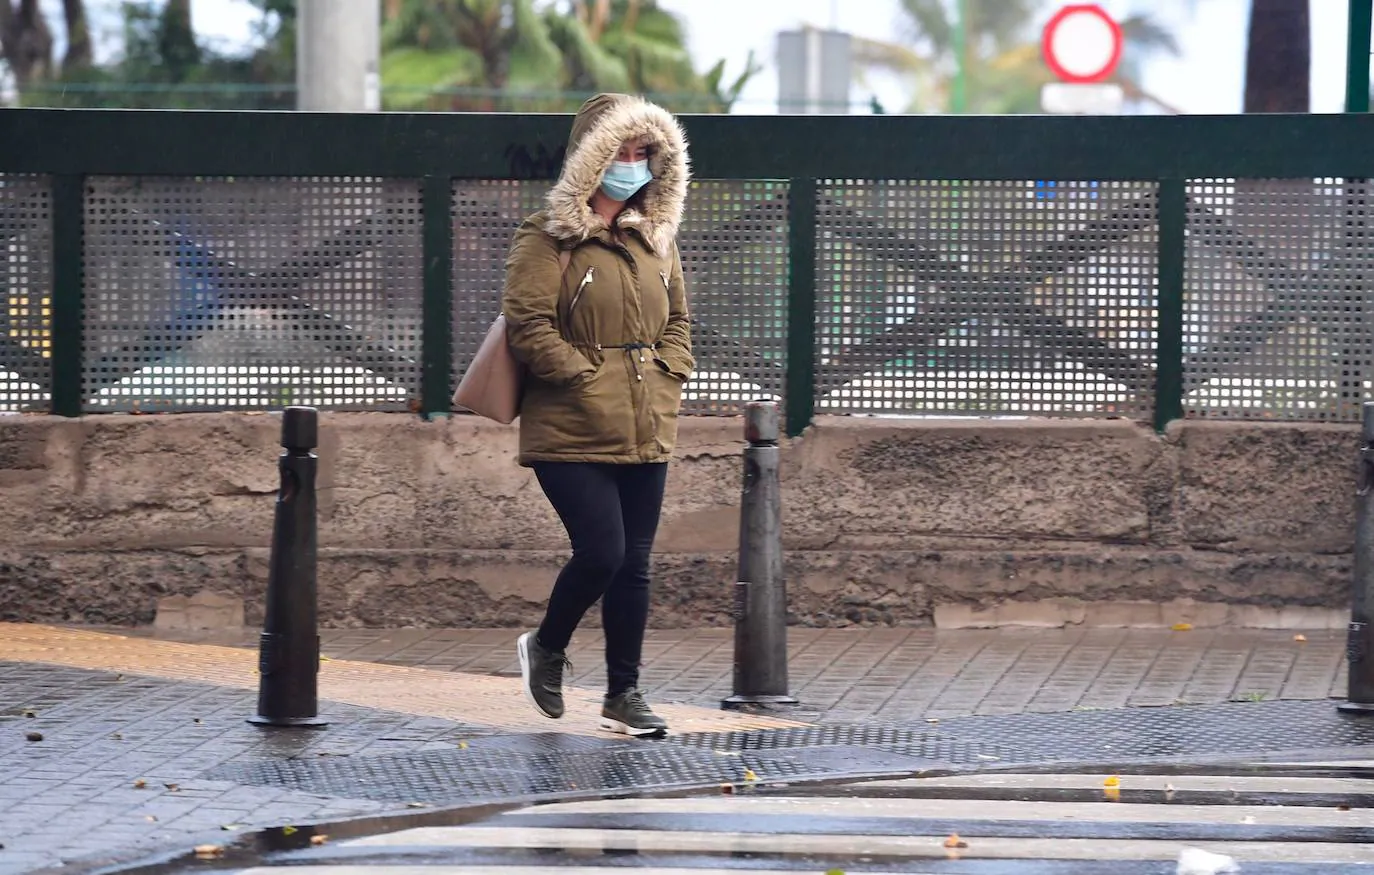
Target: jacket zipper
{"points": [[586, 281]]}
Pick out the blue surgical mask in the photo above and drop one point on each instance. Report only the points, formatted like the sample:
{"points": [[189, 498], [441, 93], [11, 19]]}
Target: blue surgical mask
{"points": [[624, 178]]}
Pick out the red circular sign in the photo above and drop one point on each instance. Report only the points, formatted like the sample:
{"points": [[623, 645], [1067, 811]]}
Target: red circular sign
{"points": [[1082, 43]]}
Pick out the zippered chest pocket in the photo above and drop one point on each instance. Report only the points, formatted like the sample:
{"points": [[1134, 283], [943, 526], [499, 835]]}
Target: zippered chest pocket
{"points": [[581, 287]]}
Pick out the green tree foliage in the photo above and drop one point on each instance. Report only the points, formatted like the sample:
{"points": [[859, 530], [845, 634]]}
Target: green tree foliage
{"points": [[164, 65], [521, 55], [512, 55], [993, 44]]}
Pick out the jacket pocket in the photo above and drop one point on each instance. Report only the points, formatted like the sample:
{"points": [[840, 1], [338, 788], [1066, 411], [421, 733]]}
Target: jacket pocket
{"points": [[665, 399]]}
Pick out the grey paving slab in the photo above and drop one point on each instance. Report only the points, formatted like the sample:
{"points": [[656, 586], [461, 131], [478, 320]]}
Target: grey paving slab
{"points": [[102, 732]]}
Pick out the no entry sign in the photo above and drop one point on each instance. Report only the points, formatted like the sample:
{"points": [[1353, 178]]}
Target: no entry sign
{"points": [[1082, 43]]}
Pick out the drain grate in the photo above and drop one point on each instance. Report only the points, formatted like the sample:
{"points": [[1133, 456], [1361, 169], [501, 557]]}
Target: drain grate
{"points": [[552, 764]]}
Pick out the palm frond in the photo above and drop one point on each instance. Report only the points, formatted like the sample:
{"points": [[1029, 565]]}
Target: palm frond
{"points": [[535, 62], [411, 75], [887, 56], [590, 66], [1146, 35]]}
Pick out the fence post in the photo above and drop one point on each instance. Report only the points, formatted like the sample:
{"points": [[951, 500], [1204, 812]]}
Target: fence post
{"points": [[68, 291], [436, 333], [1173, 219], [289, 649], [1360, 15], [799, 395], [760, 594], [1359, 649]]}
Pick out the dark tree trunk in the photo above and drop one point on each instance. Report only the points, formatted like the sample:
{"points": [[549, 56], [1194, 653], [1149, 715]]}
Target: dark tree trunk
{"points": [[1278, 57], [78, 55], [25, 41], [177, 39]]}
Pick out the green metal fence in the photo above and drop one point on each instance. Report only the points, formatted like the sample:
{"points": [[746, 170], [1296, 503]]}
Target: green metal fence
{"points": [[1141, 267]]}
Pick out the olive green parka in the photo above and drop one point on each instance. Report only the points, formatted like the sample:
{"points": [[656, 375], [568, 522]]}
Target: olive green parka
{"points": [[606, 342]]}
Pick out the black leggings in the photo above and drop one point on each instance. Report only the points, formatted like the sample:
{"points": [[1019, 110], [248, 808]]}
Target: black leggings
{"points": [[611, 514]]}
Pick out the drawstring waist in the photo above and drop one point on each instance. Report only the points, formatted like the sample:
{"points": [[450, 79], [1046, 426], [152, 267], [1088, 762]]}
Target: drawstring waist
{"points": [[626, 346]]}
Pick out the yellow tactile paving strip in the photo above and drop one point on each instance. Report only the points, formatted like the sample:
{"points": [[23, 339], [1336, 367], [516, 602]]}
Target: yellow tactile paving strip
{"points": [[470, 698]]}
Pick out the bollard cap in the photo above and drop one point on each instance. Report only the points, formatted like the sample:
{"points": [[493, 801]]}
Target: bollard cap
{"points": [[761, 422], [300, 428]]}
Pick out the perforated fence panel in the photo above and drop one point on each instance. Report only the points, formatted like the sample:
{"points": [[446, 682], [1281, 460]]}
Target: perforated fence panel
{"points": [[735, 260], [251, 293], [1277, 304], [733, 243], [26, 282], [986, 297], [486, 213]]}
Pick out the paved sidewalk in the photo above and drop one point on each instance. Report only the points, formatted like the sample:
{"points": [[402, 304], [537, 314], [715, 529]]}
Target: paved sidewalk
{"points": [[900, 675], [144, 742]]}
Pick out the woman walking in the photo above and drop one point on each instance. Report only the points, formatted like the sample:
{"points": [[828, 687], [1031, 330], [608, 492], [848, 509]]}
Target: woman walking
{"points": [[596, 308]]}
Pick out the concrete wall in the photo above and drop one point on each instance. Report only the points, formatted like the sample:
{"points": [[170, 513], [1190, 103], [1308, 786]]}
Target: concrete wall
{"points": [[887, 522]]}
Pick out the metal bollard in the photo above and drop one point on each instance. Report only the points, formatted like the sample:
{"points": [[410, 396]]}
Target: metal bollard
{"points": [[760, 594], [289, 650], [1359, 648]]}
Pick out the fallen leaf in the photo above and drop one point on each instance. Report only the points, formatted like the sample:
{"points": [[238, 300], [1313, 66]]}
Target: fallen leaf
{"points": [[750, 775], [319, 839], [1299, 637], [325, 659], [29, 712], [150, 818], [932, 719], [462, 745], [33, 736], [119, 677], [172, 787], [140, 784], [207, 852], [116, 737], [415, 805], [1111, 794], [195, 720], [230, 827], [1112, 781], [1342, 807], [1182, 627], [955, 842], [288, 830]]}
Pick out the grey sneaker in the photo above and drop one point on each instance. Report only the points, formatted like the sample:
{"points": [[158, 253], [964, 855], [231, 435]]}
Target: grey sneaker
{"points": [[542, 673], [629, 714]]}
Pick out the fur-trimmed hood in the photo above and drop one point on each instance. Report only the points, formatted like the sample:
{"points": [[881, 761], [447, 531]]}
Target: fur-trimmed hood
{"points": [[602, 124]]}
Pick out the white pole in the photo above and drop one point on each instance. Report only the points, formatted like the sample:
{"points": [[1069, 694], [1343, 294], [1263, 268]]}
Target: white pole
{"points": [[338, 49]]}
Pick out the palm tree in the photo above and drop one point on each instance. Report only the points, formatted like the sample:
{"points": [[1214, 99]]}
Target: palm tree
{"points": [[25, 41], [983, 56], [500, 54]]}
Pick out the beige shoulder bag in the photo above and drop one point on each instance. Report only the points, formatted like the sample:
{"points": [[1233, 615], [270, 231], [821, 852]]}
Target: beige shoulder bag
{"points": [[494, 382]]}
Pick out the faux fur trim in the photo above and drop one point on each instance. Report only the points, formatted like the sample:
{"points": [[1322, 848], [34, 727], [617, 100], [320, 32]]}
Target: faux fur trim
{"points": [[659, 210]]}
